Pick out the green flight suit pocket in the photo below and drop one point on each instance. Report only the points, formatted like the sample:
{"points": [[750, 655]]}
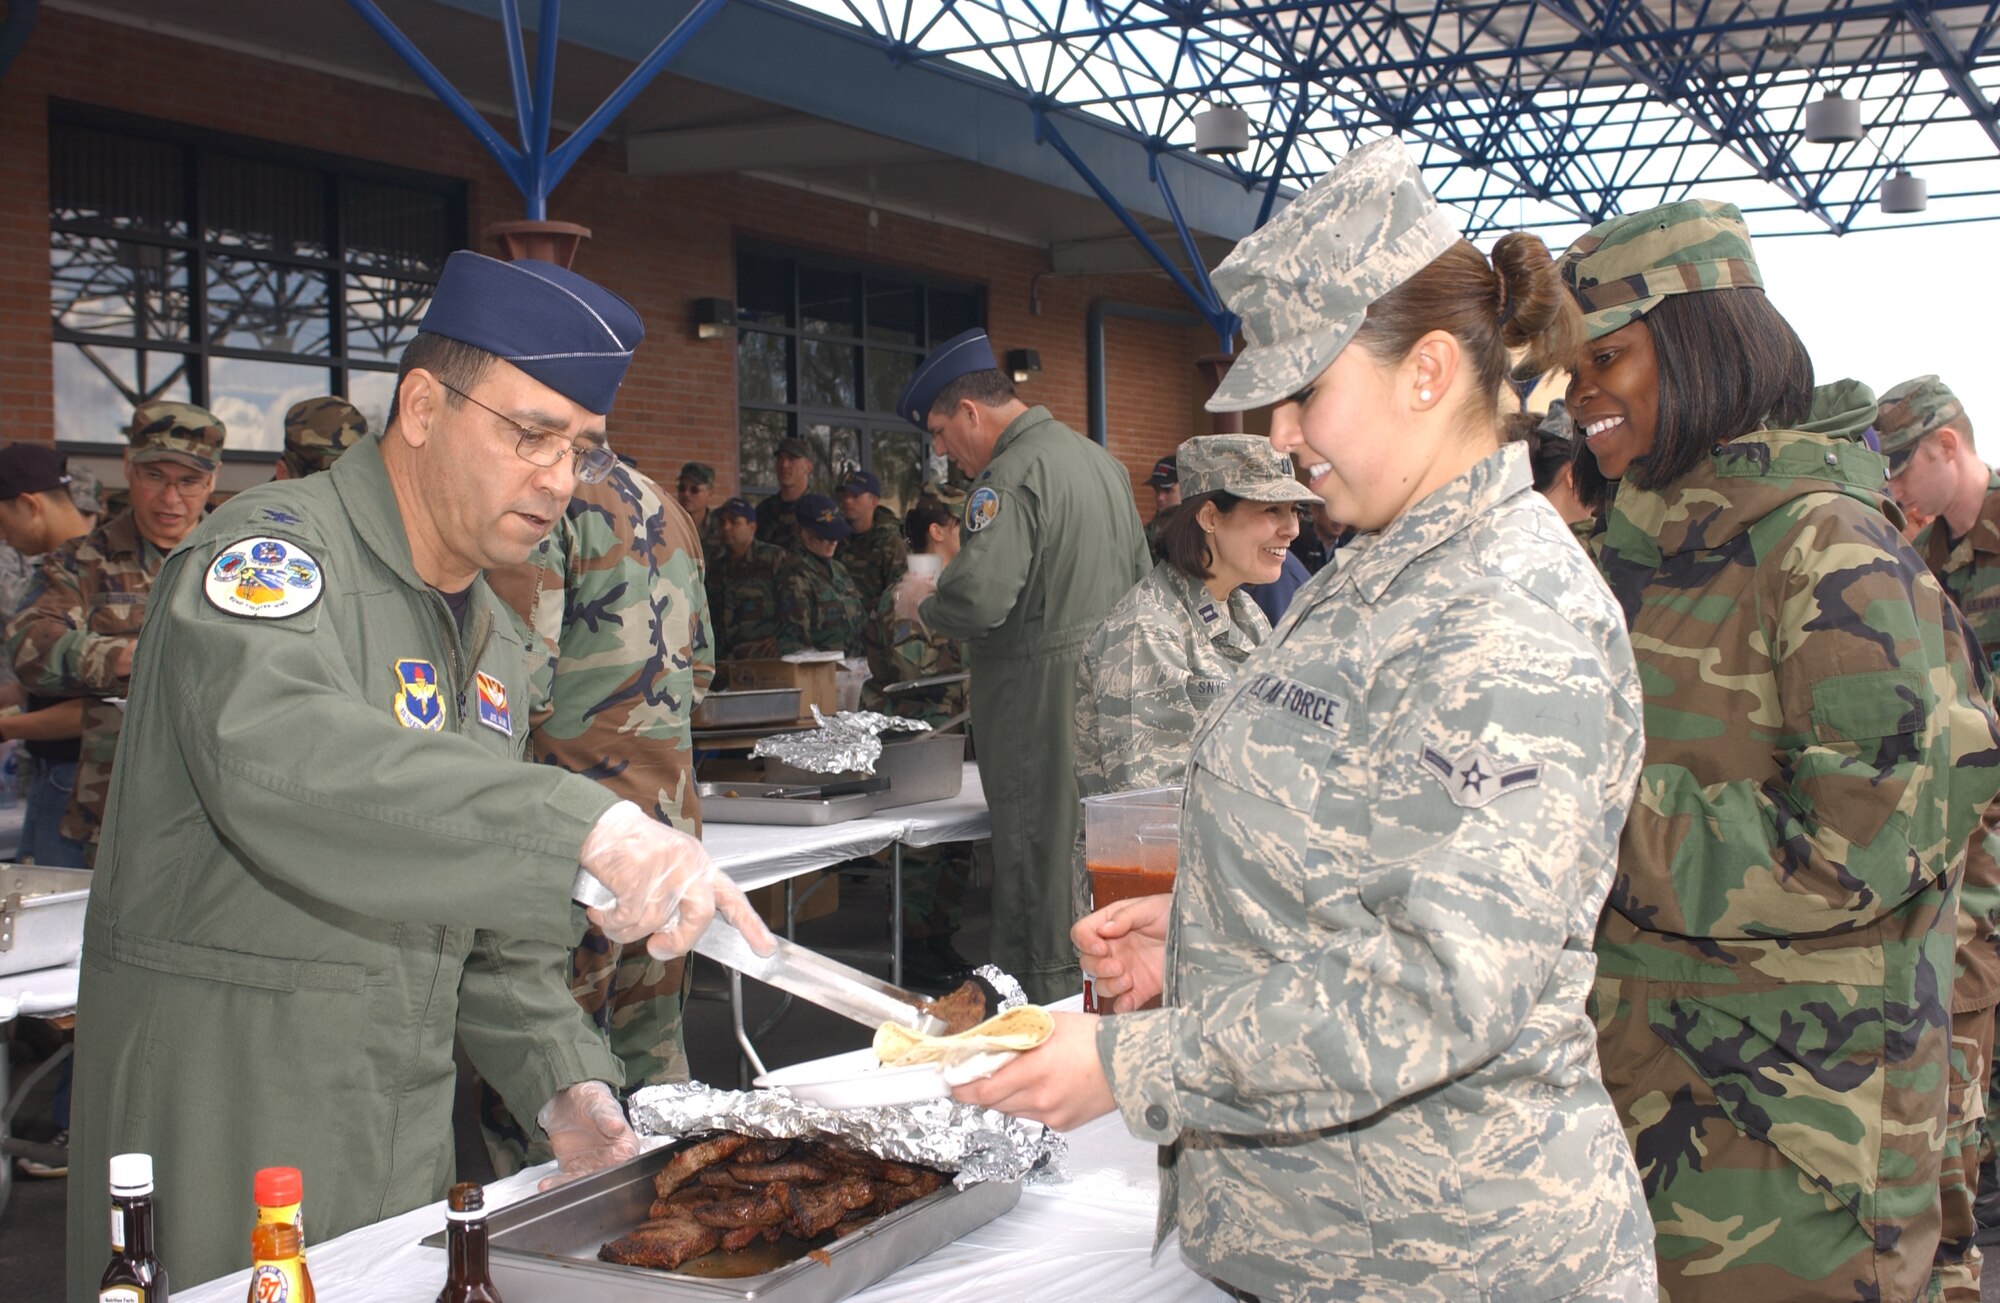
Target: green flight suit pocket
{"points": [[1800, 1068]]}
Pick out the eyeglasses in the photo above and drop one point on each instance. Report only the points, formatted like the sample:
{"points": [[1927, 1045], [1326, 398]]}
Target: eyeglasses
{"points": [[546, 447]]}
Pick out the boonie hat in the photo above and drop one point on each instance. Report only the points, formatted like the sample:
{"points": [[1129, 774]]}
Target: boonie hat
{"points": [[1910, 411], [1302, 282], [176, 432], [819, 517], [1620, 270], [1166, 473], [318, 430], [737, 507], [859, 482], [961, 355], [793, 448], [571, 334], [698, 471], [1242, 464], [31, 468]]}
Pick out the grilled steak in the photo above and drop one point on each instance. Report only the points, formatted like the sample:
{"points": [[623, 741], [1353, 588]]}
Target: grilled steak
{"points": [[790, 1169], [662, 1245], [681, 1168]]}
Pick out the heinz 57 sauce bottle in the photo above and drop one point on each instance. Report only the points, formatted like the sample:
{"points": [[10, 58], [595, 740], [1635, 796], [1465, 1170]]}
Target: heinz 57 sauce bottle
{"points": [[135, 1274]]}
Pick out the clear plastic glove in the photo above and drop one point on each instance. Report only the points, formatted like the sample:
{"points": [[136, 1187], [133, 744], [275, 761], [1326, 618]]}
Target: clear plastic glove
{"points": [[911, 591], [667, 888], [587, 1130], [1124, 949]]}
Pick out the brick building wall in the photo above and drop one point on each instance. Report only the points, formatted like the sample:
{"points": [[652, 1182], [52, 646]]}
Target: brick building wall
{"points": [[661, 242]]}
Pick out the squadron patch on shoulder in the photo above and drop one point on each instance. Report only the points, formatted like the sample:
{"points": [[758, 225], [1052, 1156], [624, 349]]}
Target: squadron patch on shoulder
{"points": [[264, 579], [1476, 779], [493, 703], [981, 509], [418, 703]]}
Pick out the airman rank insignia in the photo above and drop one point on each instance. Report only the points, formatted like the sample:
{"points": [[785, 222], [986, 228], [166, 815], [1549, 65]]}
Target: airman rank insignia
{"points": [[263, 578], [493, 703], [418, 704], [1476, 779], [981, 509]]}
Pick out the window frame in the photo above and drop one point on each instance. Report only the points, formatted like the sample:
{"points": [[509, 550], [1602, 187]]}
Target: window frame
{"points": [[196, 144], [797, 415]]}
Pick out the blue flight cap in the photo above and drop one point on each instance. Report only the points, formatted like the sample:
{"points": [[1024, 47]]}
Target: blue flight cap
{"points": [[574, 336], [860, 482], [820, 518], [958, 356]]}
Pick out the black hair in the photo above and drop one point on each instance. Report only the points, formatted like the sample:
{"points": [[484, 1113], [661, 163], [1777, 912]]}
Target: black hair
{"points": [[987, 388], [457, 364], [917, 523], [1728, 363], [1547, 453], [1184, 543]]}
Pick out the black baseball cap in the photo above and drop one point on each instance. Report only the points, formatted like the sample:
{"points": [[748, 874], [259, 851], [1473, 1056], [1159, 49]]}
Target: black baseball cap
{"points": [[1166, 472], [31, 468]]}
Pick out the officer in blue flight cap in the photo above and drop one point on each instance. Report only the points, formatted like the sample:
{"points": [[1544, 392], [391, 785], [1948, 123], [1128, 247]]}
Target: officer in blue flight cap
{"points": [[324, 860], [1051, 542]]}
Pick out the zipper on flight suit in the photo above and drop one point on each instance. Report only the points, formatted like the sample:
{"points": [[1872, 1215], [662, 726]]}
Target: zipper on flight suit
{"points": [[461, 676]]}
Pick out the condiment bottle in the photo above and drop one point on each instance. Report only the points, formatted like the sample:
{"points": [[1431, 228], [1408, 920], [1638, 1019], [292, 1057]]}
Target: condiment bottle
{"points": [[279, 1273], [135, 1274], [280, 1195], [467, 1280]]}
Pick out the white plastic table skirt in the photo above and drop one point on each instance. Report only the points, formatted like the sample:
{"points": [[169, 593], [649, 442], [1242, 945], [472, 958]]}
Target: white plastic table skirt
{"points": [[1090, 1237], [757, 855]]}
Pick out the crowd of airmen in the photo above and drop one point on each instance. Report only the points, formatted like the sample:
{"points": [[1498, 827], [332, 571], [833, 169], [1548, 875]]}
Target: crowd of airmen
{"points": [[1553, 921]]}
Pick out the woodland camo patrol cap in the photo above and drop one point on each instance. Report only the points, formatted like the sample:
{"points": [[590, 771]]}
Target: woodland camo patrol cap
{"points": [[1620, 270]]}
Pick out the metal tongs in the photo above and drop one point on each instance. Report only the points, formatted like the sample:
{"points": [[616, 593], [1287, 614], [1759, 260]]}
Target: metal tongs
{"points": [[792, 968]]}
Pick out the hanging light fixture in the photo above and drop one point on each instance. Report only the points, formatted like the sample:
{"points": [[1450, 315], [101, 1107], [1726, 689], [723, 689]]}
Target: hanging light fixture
{"points": [[1903, 193], [1833, 119], [1221, 129]]}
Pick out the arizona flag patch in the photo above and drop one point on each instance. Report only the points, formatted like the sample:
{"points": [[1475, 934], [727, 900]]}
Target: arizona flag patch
{"points": [[418, 704], [493, 703], [264, 579]]}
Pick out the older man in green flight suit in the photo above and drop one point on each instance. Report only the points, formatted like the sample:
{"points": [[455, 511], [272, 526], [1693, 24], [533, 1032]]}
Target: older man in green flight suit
{"points": [[1052, 541], [323, 856]]}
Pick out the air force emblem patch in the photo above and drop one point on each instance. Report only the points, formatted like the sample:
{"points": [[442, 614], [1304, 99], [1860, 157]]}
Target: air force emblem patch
{"points": [[263, 578], [418, 704], [981, 509], [493, 703], [1476, 779]]}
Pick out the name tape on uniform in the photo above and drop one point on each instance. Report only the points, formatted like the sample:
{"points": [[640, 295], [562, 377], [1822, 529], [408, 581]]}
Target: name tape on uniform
{"points": [[1313, 705], [263, 579]]}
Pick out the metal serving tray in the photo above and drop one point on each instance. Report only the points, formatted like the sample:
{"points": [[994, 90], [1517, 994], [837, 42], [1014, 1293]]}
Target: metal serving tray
{"points": [[742, 709], [927, 767], [544, 1249], [41, 916], [751, 805]]}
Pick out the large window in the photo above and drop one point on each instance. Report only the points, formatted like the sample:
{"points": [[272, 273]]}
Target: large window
{"points": [[822, 350], [221, 271]]}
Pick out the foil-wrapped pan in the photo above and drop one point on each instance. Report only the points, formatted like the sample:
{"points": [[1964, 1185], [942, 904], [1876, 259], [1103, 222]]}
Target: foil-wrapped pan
{"points": [[843, 743]]}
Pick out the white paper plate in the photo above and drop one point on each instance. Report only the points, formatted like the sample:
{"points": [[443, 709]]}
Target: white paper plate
{"points": [[858, 1080]]}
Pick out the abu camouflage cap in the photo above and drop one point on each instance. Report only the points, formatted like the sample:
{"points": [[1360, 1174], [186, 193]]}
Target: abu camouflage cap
{"points": [[1302, 283], [176, 432], [1620, 270], [317, 431], [1241, 464], [1910, 411]]}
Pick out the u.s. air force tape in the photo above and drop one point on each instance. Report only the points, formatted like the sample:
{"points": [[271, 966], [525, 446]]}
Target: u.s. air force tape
{"points": [[263, 579]]}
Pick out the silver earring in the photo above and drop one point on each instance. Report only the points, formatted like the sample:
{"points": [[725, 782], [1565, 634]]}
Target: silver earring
{"points": [[1424, 395]]}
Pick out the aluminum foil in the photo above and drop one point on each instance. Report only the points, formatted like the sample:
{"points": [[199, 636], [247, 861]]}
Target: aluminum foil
{"points": [[974, 1144], [842, 744]]}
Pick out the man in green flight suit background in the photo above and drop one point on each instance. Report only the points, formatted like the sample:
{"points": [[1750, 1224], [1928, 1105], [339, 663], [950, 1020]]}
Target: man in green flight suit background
{"points": [[323, 858], [1051, 542]]}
